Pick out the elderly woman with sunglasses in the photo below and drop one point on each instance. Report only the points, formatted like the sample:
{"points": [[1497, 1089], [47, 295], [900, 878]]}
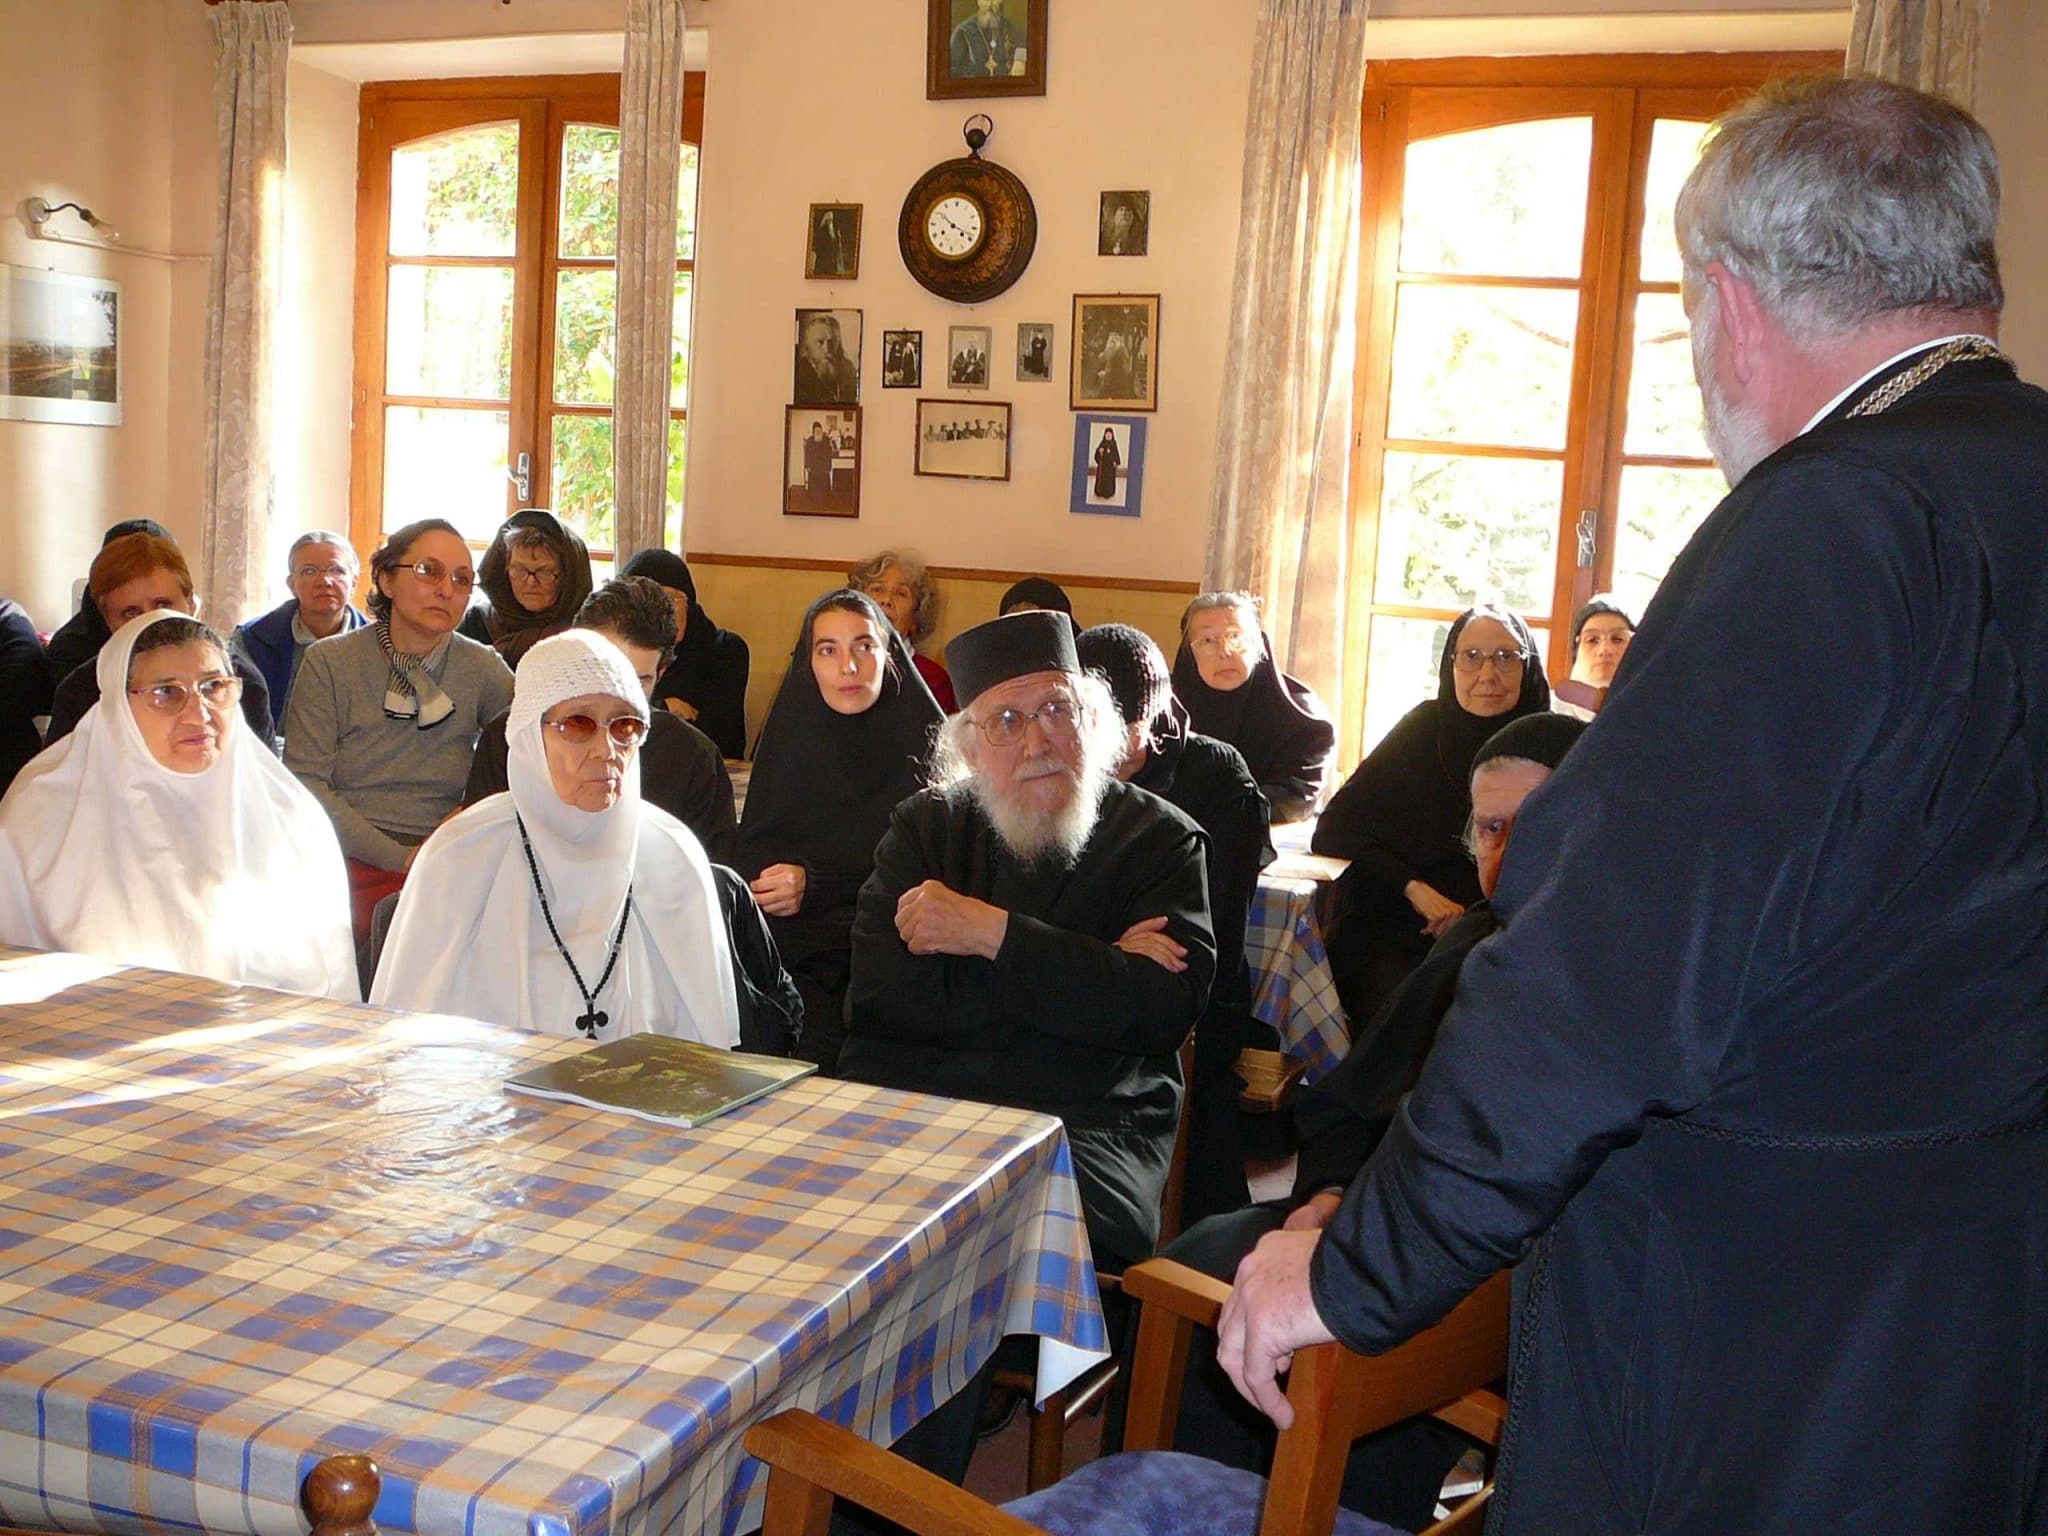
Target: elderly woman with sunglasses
{"points": [[161, 831], [383, 720], [566, 905]]}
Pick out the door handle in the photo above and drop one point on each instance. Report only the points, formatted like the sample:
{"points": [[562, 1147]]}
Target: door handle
{"points": [[1589, 523], [521, 476]]}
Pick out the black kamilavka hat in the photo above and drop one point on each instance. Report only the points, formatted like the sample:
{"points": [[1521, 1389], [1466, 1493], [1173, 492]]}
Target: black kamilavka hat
{"points": [[1012, 646]]}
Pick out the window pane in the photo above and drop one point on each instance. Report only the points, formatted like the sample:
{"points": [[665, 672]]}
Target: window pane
{"points": [[1507, 201], [1664, 414], [1452, 529], [456, 194], [686, 205], [583, 476], [1674, 148], [586, 307], [672, 524], [1660, 509], [445, 463], [1401, 663], [1483, 365], [590, 190], [449, 332], [679, 347]]}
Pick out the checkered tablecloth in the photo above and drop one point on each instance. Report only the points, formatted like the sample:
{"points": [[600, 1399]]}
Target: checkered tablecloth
{"points": [[240, 1231], [1293, 989]]}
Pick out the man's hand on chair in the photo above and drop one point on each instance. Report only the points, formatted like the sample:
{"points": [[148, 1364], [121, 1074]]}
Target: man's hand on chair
{"points": [[1269, 1316]]}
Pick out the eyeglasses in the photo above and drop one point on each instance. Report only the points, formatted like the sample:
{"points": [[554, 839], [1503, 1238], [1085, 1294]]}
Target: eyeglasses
{"points": [[1005, 728], [1471, 659], [169, 698], [581, 730], [321, 572], [433, 571], [534, 575]]}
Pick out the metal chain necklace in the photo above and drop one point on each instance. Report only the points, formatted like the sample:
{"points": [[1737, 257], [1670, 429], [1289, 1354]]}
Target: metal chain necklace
{"points": [[592, 1019], [1964, 349]]}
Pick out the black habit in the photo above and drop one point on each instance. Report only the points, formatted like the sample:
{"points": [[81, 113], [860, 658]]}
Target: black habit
{"points": [[1751, 1084], [1274, 720], [25, 683], [709, 672]]}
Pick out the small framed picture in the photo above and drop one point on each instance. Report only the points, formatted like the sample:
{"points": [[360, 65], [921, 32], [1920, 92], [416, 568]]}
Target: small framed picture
{"points": [[967, 349], [903, 359], [984, 48], [1034, 354], [821, 461], [1126, 223], [832, 249], [1116, 352], [1109, 464], [827, 357], [964, 439]]}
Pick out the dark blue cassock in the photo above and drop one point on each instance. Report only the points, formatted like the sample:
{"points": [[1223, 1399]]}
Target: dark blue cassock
{"points": [[1752, 1086]]}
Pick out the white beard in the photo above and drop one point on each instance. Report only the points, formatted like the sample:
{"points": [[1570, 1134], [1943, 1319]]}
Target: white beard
{"points": [[1735, 437], [1034, 835]]}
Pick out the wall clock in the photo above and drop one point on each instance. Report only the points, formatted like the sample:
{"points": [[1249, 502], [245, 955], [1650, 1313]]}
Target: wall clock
{"points": [[968, 226]]}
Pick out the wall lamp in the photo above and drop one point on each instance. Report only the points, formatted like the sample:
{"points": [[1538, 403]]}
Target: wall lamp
{"points": [[37, 213]]}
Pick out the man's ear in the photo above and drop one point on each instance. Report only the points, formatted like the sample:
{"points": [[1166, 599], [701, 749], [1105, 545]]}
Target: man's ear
{"points": [[1742, 319]]}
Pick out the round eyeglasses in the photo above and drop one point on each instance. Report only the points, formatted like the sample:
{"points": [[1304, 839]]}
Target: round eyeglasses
{"points": [[581, 730], [169, 698], [1471, 659]]}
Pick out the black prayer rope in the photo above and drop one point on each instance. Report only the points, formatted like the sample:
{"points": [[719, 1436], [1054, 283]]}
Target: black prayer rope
{"points": [[592, 1019]]}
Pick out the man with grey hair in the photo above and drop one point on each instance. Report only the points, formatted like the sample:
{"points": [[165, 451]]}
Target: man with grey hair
{"points": [[1036, 933], [321, 572], [1771, 1153]]}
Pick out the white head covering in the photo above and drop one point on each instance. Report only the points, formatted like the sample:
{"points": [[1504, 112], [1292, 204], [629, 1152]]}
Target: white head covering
{"points": [[470, 937], [232, 873]]}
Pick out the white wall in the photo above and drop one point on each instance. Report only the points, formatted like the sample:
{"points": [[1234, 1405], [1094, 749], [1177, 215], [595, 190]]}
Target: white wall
{"points": [[2013, 107]]}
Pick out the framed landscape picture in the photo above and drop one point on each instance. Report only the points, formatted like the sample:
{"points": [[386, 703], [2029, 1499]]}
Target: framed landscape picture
{"points": [[984, 48], [1109, 464], [964, 439], [1116, 352], [821, 461], [60, 347]]}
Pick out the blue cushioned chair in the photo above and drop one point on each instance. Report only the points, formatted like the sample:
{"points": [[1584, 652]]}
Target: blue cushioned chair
{"points": [[1337, 1396]]}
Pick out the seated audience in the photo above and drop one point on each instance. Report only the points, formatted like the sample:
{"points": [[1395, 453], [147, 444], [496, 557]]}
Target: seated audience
{"points": [[1601, 631], [1208, 780], [1036, 932], [566, 905], [162, 833], [25, 683], [1035, 594], [1234, 691], [534, 577], [135, 574], [384, 720], [1400, 816], [904, 590], [80, 637], [848, 738], [1393, 1475], [706, 684], [321, 572], [680, 770]]}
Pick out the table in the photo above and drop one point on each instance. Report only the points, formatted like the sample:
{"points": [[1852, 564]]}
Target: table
{"points": [[1293, 989], [240, 1231]]}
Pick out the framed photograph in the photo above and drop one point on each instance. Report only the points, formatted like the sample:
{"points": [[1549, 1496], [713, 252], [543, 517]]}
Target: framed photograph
{"points": [[1034, 354], [827, 357], [1109, 464], [967, 349], [1126, 223], [832, 248], [1116, 352], [964, 439], [821, 461], [60, 347], [903, 359], [984, 48]]}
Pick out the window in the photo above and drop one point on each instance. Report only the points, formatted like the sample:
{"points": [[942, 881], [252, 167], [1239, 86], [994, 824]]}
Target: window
{"points": [[1529, 426], [487, 227]]}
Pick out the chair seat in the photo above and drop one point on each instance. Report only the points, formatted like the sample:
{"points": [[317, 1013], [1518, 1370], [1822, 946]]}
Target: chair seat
{"points": [[1161, 1493]]}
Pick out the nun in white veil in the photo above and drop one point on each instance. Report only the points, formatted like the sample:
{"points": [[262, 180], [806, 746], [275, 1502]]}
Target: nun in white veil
{"points": [[161, 833], [567, 905]]}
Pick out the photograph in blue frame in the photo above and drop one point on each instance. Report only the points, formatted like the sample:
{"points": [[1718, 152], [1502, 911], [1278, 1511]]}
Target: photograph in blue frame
{"points": [[1109, 464]]}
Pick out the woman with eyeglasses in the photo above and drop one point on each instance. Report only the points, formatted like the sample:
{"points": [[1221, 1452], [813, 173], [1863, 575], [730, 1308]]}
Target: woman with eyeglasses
{"points": [[534, 577], [1400, 817], [383, 720], [161, 832], [567, 905], [1235, 691]]}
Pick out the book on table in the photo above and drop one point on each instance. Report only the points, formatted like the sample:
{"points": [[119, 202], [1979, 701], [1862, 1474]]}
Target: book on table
{"points": [[658, 1077]]}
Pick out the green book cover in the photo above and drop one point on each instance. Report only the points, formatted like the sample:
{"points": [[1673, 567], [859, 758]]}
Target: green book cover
{"points": [[659, 1077]]}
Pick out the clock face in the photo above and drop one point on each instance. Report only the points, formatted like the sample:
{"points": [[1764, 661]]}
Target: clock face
{"points": [[954, 226]]}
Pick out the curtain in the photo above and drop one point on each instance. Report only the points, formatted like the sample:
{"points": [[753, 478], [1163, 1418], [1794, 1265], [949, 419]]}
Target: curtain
{"points": [[251, 46], [651, 129], [1931, 45], [1278, 523]]}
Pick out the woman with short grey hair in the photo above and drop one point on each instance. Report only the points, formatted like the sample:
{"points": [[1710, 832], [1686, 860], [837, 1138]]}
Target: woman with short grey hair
{"points": [[902, 587]]}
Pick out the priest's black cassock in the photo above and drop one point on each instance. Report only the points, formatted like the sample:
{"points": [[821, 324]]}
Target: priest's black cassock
{"points": [[1767, 1138]]}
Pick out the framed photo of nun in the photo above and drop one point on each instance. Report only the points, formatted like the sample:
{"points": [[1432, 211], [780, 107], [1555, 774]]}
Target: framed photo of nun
{"points": [[1109, 464]]}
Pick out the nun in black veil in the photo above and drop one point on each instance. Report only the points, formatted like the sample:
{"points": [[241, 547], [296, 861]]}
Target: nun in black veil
{"points": [[707, 682], [848, 736], [1400, 818], [1234, 691]]}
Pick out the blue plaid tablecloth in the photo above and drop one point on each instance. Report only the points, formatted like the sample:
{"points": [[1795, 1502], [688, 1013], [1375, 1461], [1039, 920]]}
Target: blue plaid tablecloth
{"points": [[1293, 989], [240, 1231]]}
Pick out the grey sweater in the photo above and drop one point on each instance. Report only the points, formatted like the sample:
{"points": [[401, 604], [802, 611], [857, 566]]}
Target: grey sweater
{"points": [[386, 783]]}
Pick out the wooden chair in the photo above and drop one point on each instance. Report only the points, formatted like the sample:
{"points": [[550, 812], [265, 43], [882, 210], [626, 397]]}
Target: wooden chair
{"points": [[1337, 1395]]}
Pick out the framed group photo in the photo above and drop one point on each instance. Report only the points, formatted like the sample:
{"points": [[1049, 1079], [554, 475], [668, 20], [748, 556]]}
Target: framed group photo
{"points": [[1109, 464], [963, 439], [967, 350], [984, 48], [903, 359], [1116, 352], [827, 357], [821, 461], [832, 249]]}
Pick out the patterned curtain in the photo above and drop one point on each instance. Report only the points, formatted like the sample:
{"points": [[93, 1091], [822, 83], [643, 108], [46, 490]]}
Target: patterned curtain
{"points": [[1931, 45], [651, 129], [251, 46], [1278, 526]]}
